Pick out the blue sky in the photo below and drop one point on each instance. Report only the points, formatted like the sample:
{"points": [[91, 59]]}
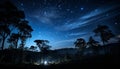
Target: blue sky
{"points": [[63, 21]]}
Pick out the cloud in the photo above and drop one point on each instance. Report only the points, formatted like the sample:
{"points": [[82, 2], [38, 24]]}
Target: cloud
{"points": [[46, 15], [94, 16], [63, 41], [77, 34], [67, 41]]}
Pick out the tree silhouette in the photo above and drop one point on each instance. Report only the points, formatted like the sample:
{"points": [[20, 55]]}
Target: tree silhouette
{"points": [[4, 33], [92, 42], [9, 19], [24, 31], [104, 33], [119, 40], [80, 43], [33, 48], [42, 44], [43, 47], [0, 40], [13, 40]]}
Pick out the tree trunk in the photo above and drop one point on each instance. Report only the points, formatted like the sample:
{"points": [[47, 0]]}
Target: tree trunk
{"points": [[3, 42], [102, 38], [103, 42], [16, 45]]}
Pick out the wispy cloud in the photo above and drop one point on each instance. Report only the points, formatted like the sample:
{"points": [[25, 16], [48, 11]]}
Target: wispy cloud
{"points": [[77, 34], [46, 15], [64, 41], [67, 41], [94, 16]]}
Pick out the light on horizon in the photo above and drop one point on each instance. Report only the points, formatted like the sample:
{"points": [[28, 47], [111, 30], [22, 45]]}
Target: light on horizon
{"points": [[45, 63]]}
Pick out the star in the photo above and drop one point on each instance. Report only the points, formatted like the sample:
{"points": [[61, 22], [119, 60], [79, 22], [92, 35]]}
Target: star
{"points": [[59, 6], [22, 4], [116, 23], [71, 11], [81, 8]]}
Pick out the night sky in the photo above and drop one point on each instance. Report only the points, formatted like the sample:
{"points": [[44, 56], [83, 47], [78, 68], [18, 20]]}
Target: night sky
{"points": [[63, 21]]}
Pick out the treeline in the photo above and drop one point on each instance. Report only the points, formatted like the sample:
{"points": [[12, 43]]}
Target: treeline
{"points": [[14, 28], [101, 31]]}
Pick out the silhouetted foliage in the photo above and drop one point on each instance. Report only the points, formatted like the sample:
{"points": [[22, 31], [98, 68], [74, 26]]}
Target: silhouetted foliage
{"points": [[104, 33], [26, 48], [4, 33], [0, 40], [119, 40], [80, 43], [33, 48], [42, 44], [10, 17], [24, 32], [13, 40], [92, 42]]}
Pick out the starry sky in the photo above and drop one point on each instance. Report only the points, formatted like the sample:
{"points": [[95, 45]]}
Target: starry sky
{"points": [[63, 21]]}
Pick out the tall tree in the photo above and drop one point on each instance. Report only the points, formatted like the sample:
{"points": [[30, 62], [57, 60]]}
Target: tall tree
{"points": [[94, 45], [24, 31], [80, 43], [4, 33], [9, 19], [13, 40], [104, 33], [42, 44], [43, 47]]}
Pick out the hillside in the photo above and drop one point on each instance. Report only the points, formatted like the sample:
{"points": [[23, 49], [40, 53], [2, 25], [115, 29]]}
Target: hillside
{"points": [[68, 58]]}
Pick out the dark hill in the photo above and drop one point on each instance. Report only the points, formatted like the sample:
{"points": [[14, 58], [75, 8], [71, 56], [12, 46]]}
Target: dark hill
{"points": [[110, 59]]}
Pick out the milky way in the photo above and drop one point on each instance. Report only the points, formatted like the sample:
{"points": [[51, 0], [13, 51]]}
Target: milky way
{"points": [[63, 21]]}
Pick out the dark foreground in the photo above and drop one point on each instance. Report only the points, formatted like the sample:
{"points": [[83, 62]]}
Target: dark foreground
{"points": [[95, 62], [108, 60]]}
